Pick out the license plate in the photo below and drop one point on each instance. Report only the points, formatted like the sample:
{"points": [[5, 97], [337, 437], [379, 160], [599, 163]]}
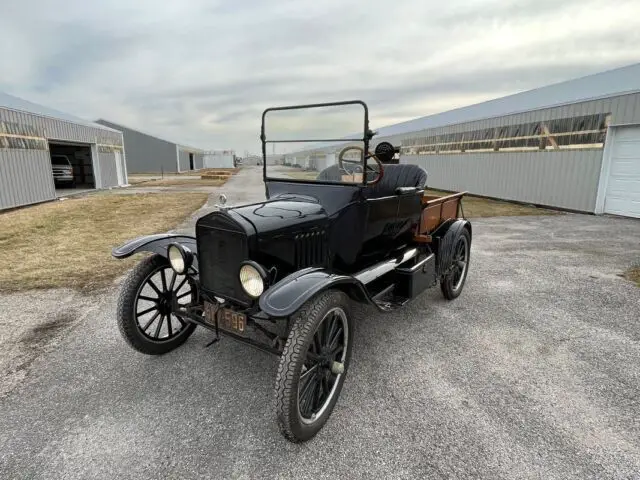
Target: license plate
{"points": [[232, 321], [228, 320]]}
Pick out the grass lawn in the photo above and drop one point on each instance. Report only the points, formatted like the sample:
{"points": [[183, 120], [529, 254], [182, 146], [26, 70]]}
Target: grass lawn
{"points": [[476, 207], [179, 182], [68, 243], [302, 175], [633, 274]]}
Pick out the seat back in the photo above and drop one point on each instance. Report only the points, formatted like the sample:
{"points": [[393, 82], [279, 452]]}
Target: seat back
{"points": [[395, 176]]}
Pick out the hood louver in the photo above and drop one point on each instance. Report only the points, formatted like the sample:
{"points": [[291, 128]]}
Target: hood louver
{"points": [[310, 249]]}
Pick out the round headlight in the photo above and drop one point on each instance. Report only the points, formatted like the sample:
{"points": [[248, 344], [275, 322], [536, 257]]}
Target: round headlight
{"points": [[179, 257], [251, 280]]}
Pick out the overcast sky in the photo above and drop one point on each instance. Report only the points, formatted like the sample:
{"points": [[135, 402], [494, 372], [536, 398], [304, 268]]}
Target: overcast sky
{"points": [[200, 72]]}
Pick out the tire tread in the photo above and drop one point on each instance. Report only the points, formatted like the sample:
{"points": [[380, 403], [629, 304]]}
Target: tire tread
{"points": [[126, 303], [303, 327]]}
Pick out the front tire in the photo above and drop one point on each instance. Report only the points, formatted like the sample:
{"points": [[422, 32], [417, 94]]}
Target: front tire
{"points": [[144, 313], [313, 365]]}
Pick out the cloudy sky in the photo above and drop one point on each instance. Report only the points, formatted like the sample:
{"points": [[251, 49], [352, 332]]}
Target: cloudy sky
{"points": [[200, 72]]}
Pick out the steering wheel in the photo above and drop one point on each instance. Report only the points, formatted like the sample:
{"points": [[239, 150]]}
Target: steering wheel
{"points": [[377, 169]]}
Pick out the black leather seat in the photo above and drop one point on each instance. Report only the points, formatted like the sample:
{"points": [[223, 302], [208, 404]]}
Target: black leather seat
{"points": [[397, 176]]}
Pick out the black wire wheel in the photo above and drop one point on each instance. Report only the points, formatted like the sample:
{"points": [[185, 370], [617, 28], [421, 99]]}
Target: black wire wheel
{"points": [[313, 365], [144, 311], [453, 281]]}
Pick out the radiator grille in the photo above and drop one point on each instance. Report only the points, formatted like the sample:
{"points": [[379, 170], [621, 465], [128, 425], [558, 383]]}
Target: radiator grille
{"points": [[220, 253]]}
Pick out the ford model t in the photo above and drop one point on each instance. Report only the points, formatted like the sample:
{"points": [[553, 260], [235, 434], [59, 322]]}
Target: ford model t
{"points": [[282, 274]]}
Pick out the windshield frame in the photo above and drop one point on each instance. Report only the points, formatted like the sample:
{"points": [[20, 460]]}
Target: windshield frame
{"points": [[367, 134]]}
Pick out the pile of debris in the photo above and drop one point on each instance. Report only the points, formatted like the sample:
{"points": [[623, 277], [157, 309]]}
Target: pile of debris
{"points": [[218, 173]]}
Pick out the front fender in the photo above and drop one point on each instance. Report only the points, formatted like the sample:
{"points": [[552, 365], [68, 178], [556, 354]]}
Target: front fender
{"points": [[289, 294], [156, 244]]}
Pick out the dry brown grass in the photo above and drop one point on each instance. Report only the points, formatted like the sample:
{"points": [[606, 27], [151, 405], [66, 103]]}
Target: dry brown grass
{"points": [[476, 207], [633, 274], [180, 182], [302, 175], [228, 171], [135, 180], [68, 243]]}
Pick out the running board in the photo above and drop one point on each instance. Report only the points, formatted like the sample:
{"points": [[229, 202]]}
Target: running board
{"points": [[368, 275], [387, 301]]}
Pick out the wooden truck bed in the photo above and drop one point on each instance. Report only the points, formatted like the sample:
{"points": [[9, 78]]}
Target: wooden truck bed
{"points": [[436, 210]]}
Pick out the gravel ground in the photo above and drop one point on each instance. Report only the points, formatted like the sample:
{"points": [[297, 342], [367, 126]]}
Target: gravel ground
{"points": [[534, 372]]}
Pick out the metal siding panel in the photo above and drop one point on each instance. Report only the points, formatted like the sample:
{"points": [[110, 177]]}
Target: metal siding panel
{"points": [[183, 156], [198, 161], [108, 172], [22, 174], [565, 179], [146, 154], [630, 109], [635, 113], [622, 110], [6, 194]]}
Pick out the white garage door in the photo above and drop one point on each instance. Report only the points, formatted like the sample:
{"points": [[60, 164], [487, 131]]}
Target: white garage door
{"points": [[623, 187]]}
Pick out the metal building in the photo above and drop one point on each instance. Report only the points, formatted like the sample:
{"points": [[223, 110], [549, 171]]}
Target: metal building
{"points": [[149, 154], [37, 143], [219, 159], [573, 145]]}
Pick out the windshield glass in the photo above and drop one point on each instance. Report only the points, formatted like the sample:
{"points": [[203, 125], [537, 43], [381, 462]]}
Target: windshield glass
{"points": [[59, 160], [304, 143]]}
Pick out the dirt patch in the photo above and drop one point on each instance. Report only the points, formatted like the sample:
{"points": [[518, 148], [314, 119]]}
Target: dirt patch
{"points": [[68, 243], [633, 274], [41, 333]]}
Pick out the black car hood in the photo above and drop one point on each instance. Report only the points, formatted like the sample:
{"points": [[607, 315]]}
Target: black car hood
{"points": [[285, 213]]}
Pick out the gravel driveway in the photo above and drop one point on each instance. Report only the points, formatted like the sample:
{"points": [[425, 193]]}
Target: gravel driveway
{"points": [[534, 372]]}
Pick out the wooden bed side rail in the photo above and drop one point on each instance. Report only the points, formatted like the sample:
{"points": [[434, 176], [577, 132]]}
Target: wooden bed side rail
{"points": [[433, 200], [436, 210]]}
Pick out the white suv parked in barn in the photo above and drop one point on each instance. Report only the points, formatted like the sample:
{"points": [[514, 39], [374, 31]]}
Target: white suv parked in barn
{"points": [[62, 170]]}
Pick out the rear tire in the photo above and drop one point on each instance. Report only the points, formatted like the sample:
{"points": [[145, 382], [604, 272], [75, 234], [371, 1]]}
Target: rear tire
{"points": [[453, 281], [308, 383], [143, 326]]}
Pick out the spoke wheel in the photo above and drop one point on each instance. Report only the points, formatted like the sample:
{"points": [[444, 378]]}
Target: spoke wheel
{"points": [[145, 314], [154, 301], [313, 365], [453, 281], [319, 377]]}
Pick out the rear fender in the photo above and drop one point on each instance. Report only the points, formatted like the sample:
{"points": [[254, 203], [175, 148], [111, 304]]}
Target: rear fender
{"points": [[446, 235], [156, 244], [289, 294]]}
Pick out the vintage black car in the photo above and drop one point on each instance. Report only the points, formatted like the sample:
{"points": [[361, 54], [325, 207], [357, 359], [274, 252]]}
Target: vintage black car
{"points": [[282, 274]]}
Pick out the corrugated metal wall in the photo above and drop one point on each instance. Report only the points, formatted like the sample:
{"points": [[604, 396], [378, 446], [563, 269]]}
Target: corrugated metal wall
{"points": [[218, 160], [624, 109], [183, 156], [108, 172], [25, 177], [145, 153], [61, 130], [199, 161], [564, 179]]}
